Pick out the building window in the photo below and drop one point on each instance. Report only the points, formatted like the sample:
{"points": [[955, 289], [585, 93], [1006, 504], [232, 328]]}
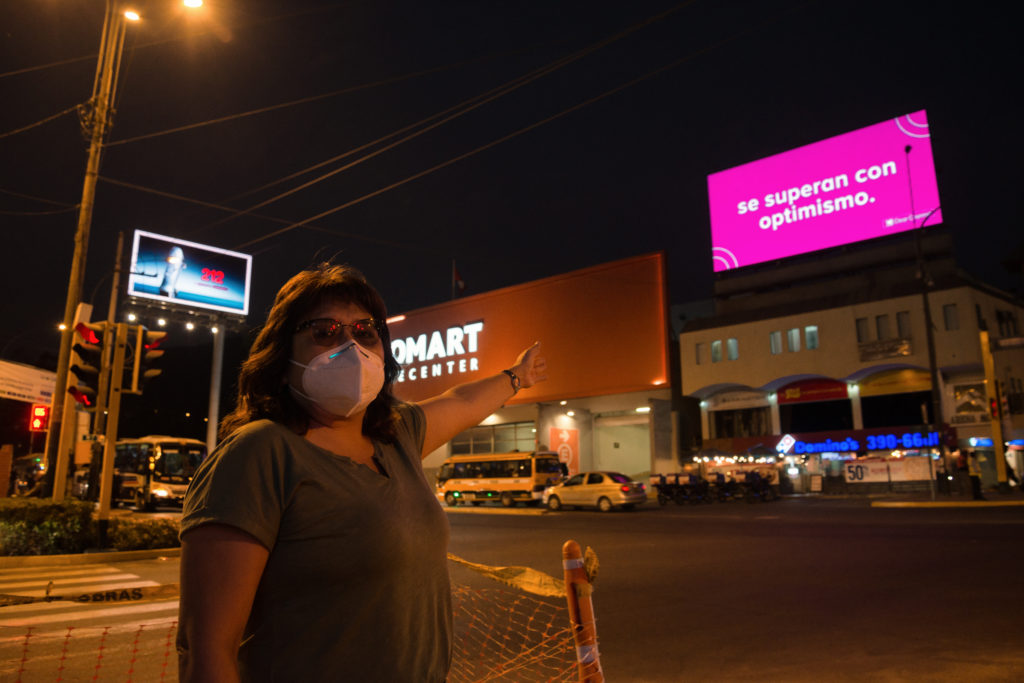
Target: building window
{"points": [[775, 342], [903, 324], [732, 348], [882, 326], [950, 317], [739, 423], [699, 353], [793, 339], [811, 336], [862, 330], [1007, 322], [515, 436], [716, 351]]}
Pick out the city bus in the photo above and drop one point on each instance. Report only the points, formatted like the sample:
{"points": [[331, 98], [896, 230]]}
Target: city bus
{"points": [[155, 471], [509, 478]]}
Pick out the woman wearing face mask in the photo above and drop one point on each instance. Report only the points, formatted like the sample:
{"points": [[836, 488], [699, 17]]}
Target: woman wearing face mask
{"points": [[313, 548]]}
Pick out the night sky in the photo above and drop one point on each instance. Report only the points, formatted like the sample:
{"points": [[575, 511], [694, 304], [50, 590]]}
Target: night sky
{"points": [[602, 155]]}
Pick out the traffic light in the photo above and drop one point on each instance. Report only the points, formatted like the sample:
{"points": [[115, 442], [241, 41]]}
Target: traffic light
{"points": [[87, 363], [144, 344], [39, 418], [993, 404]]}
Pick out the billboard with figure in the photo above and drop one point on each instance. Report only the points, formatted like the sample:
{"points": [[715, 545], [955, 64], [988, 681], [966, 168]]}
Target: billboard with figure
{"points": [[189, 274], [852, 187]]}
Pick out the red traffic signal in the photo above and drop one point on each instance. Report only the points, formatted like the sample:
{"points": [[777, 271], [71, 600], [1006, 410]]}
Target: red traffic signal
{"points": [[144, 345], [39, 418], [86, 363]]}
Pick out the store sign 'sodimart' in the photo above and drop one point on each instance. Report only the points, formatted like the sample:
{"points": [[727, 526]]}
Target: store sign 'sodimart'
{"points": [[438, 353]]}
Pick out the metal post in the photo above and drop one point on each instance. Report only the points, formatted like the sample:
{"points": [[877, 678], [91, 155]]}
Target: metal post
{"points": [[98, 120], [110, 441], [100, 424], [57, 467], [215, 373], [992, 393]]}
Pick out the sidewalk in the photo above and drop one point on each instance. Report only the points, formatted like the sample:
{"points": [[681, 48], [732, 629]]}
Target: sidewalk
{"points": [[1014, 497]]}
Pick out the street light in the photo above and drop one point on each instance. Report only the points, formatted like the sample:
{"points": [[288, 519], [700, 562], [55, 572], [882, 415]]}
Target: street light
{"points": [[926, 283], [96, 116]]}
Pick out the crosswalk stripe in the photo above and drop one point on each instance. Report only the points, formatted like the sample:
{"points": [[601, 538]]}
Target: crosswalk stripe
{"points": [[91, 614], [6, 587], [80, 570]]}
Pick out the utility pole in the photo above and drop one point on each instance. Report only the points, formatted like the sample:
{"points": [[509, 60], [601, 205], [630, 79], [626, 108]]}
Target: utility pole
{"points": [[96, 120]]}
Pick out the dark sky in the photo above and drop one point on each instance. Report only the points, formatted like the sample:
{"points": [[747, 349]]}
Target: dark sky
{"points": [[678, 90]]}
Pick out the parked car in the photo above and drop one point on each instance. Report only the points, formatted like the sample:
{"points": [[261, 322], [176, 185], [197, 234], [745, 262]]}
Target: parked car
{"points": [[603, 490]]}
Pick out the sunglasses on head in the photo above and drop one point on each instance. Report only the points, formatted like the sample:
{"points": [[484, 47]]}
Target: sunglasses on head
{"points": [[327, 332]]}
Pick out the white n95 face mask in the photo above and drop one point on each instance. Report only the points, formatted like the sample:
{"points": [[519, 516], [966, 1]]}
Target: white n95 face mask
{"points": [[342, 380]]}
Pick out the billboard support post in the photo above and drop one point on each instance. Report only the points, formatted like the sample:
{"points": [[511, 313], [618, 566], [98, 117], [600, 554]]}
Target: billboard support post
{"points": [[215, 374]]}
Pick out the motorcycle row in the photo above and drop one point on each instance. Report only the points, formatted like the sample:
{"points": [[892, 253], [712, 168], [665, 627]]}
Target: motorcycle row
{"points": [[693, 490]]}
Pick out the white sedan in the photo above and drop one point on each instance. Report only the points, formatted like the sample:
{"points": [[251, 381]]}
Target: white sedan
{"points": [[603, 490]]}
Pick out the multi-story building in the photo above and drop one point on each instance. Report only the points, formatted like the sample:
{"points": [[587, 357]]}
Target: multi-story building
{"points": [[833, 349]]}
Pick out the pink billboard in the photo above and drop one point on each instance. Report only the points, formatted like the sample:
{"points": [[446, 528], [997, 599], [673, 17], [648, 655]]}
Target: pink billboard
{"points": [[851, 187]]}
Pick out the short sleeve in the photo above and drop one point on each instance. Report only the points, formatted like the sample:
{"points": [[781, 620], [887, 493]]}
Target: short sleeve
{"points": [[242, 484], [411, 427]]}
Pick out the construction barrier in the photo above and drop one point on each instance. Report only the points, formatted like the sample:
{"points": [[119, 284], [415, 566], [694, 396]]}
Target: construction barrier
{"points": [[524, 635]]}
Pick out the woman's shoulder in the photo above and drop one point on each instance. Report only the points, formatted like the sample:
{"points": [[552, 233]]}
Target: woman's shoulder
{"points": [[264, 435]]}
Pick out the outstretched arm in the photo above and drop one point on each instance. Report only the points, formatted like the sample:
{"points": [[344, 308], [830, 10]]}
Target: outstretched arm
{"points": [[465, 405]]}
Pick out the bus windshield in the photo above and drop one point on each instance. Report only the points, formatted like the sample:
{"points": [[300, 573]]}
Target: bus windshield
{"points": [[177, 462]]}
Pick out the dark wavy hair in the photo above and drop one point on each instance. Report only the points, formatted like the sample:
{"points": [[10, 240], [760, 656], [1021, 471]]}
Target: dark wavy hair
{"points": [[261, 392]]}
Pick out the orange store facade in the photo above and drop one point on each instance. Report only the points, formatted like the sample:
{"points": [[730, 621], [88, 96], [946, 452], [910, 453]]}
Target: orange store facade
{"points": [[606, 403]]}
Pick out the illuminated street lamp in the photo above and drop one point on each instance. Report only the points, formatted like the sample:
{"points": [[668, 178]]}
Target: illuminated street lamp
{"points": [[96, 117]]}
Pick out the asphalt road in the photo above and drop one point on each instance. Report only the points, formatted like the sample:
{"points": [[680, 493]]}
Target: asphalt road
{"points": [[797, 590]]}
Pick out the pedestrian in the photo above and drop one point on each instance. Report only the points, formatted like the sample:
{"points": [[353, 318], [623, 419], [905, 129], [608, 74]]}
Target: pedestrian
{"points": [[313, 548], [974, 471]]}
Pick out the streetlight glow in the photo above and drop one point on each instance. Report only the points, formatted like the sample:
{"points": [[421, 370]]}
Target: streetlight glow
{"points": [[131, 15], [193, 3]]}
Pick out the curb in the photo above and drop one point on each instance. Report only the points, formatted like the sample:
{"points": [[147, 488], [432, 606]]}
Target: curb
{"points": [[946, 504], [16, 561]]}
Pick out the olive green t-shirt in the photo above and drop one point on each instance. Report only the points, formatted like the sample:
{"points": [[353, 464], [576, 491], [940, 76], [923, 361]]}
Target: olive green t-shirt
{"points": [[356, 587]]}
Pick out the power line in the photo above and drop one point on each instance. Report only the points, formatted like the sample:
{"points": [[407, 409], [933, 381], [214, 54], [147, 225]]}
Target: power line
{"points": [[272, 219], [459, 110], [39, 122], [525, 129], [38, 199]]}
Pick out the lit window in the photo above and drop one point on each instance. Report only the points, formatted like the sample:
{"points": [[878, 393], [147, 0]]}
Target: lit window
{"points": [[716, 351], [862, 330], [732, 348], [903, 324], [793, 339], [950, 317], [811, 336], [775, 342]]}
